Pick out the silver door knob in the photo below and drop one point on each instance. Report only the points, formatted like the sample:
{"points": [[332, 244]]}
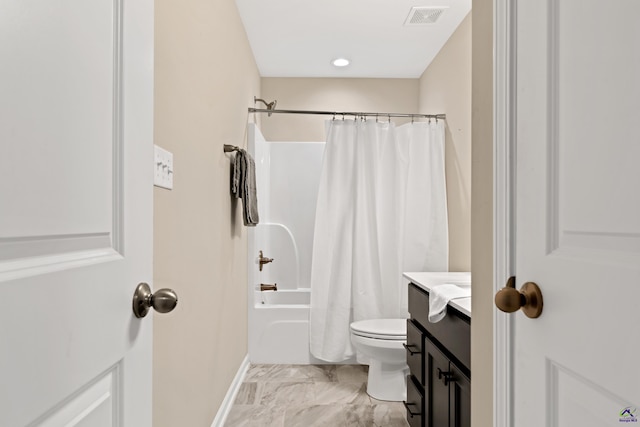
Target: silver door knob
{"points": [[163, 301]]}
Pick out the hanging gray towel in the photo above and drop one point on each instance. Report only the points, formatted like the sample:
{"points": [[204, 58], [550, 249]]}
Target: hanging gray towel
{"points": [[243, 186]]}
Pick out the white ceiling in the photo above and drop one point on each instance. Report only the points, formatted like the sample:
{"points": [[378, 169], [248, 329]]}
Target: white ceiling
{"points": [[300, 38]]}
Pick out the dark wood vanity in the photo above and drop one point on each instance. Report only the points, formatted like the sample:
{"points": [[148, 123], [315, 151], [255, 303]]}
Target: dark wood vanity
{"points": [[439, 359]]}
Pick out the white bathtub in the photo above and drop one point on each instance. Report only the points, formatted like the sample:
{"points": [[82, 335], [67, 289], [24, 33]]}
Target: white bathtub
{"points": [[285, 297], [279, 330]]}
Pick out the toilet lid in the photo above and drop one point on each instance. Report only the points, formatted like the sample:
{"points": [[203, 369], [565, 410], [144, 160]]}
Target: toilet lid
{"points": [[391, 329]]}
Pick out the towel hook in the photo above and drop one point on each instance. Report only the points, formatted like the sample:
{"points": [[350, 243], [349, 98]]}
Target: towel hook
{"points": [[230, 148]]}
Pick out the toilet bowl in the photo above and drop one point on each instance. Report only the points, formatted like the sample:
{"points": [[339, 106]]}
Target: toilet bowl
{"points": [[380, 341]]}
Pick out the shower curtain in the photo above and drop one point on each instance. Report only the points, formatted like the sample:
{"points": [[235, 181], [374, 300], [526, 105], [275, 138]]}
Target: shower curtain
{"points": [[381, 210]]}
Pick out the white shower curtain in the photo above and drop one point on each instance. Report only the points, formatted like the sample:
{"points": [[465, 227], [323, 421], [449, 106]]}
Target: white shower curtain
{"points": [[381, 210]]}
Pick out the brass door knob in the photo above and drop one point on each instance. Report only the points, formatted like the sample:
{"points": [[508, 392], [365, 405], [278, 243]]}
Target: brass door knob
{"points": [[529, 298], [163, 301]]}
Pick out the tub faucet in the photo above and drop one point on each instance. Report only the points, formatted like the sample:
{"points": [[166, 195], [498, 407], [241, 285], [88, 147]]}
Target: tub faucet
{"points": [[266, 287], [262, 260]]}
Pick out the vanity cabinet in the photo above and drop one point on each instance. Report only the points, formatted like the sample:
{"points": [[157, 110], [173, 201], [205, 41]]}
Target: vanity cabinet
{"points": [[439, 356]]}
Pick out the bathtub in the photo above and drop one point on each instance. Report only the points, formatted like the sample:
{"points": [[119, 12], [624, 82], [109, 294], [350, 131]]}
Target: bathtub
{"points": [[280, 327], [285, 298]]}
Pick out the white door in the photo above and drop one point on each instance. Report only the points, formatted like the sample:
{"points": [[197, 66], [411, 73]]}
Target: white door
{"points": [[578, 212], [76, 114]]}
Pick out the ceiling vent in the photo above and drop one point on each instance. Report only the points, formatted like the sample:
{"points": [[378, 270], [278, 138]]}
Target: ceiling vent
{"points": [[421, 15]]}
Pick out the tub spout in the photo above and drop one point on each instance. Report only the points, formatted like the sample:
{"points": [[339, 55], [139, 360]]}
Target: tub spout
{"points": [[267, 287]]}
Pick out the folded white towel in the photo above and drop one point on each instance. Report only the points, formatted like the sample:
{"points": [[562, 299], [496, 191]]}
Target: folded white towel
{"points": [[439, 298]]}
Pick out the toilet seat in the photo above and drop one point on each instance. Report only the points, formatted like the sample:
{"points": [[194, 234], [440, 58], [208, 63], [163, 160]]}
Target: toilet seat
{"points": [[385, 329]]}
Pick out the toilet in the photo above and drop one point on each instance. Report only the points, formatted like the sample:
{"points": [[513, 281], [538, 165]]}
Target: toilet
{"points": [[380, 342]]}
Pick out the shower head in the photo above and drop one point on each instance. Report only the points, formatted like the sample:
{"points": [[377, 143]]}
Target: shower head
{"points": [[269, 105]]}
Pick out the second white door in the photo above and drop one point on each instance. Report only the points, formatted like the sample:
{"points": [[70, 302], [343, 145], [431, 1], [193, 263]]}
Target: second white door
{"points": [[578, 212]]}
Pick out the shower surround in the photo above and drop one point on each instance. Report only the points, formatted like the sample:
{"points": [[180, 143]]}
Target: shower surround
{"points": [[287, 175]]}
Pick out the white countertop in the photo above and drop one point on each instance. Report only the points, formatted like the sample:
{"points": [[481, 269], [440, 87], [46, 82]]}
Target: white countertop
{"points": [[428, 280]]}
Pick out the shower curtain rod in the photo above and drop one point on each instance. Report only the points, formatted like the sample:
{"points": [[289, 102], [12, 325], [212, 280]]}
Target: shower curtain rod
{"points": [[346, 113]]}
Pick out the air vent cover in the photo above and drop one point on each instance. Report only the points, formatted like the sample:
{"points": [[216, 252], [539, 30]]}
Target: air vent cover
{"points": [[421, 15]]}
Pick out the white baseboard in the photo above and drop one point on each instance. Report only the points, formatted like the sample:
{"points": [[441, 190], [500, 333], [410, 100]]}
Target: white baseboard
{"points": [[227, 403]]}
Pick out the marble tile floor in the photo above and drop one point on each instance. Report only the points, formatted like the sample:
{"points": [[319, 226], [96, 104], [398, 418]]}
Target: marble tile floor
{"points": [[311, 396]]}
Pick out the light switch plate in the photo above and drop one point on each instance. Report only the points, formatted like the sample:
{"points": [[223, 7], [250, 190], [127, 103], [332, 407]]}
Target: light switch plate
{"points": [[162, 168]]}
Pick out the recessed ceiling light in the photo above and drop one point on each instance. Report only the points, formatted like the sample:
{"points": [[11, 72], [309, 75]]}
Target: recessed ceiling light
{"points": [[340, 62]]}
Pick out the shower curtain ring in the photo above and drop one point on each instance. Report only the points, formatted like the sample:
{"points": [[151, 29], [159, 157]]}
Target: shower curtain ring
{"points": [[412, 117], [343, 117], [334, 116]]}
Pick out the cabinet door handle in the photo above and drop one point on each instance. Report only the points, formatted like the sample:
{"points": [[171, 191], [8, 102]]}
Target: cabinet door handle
{"points": [[408, 348], [406, 405], [446, 376]]}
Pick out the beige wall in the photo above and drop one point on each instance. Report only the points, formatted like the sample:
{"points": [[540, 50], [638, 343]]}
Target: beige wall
{"points": [[482, 215], [445, 86], [365, 95], [204, 81]]}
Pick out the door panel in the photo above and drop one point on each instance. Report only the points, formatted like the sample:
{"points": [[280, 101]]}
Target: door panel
{"points": [[459, 399], [76, 110], [95, 406], [437, 393], [574, 400], [59, 108], [577, 211], [594, 105]]}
